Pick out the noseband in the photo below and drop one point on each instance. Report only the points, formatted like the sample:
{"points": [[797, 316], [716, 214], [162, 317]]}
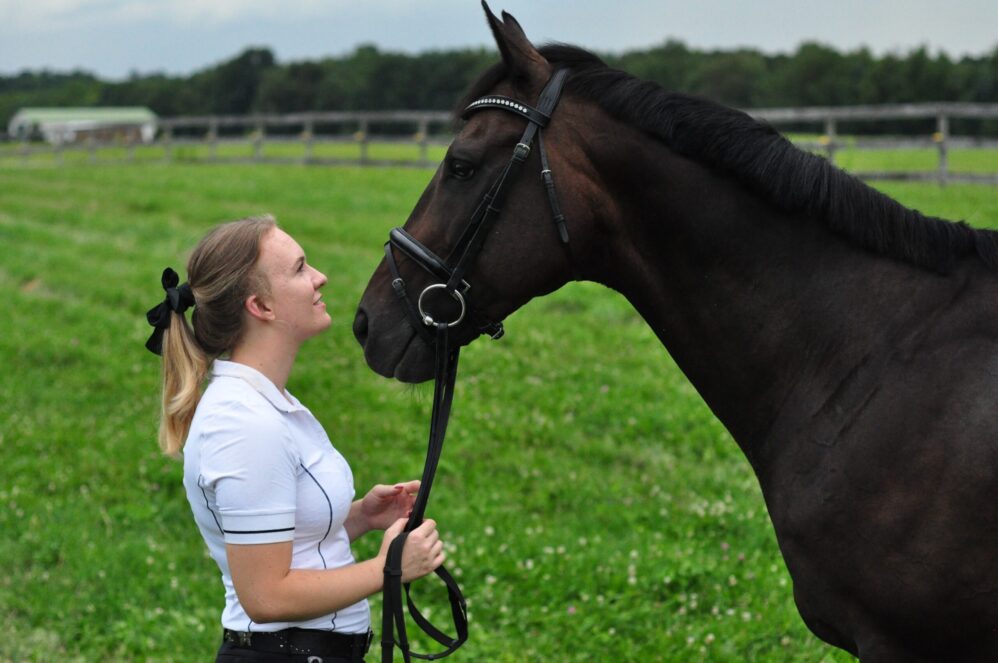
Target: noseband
{"points": [[449, 275]]}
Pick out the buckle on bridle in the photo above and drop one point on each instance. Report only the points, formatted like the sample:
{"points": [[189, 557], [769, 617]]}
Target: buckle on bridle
{"points": [[521, 152]]}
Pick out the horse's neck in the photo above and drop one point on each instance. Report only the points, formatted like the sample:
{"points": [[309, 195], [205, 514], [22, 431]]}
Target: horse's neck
{"points": [[763, 312]]}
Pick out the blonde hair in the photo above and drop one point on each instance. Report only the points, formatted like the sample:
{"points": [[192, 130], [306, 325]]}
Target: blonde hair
{"points": [[222, 274]]}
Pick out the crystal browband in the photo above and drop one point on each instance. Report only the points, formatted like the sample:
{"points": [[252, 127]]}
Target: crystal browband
{"points": [[505, 103]]}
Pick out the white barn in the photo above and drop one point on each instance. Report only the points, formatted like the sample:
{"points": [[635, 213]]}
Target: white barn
{"points": [[72, 125]]}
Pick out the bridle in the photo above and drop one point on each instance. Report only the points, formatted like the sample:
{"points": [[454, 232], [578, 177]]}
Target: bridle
{"points": [[450, 275]]}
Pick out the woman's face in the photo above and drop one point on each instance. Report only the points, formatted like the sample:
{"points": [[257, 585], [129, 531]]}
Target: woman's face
{"points": [[294, 286]]}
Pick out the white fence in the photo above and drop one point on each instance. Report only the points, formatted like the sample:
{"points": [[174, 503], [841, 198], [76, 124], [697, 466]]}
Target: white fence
{"points": [[405, 138], [828, 119]]}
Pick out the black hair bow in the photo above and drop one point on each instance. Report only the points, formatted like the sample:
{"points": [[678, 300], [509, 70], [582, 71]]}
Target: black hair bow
{"points": [[178, 300]]}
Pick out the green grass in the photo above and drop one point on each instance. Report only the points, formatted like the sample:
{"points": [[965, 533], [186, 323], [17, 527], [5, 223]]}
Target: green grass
{"points": [[963, 160], [923, 159], [384, 151], [591, 503], [918, 160]]}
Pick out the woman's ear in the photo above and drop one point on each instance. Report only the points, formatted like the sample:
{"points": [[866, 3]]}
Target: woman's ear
{"points": [[258, 308]]}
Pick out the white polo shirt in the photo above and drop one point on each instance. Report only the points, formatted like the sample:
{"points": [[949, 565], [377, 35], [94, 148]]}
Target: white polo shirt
{"points": [[259, 468]]}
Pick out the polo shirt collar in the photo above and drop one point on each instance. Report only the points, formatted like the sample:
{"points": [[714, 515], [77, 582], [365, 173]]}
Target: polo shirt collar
{"points": [[284, 402]]}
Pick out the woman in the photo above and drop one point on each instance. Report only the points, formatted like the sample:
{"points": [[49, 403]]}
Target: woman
{"points": [[270, 495]]}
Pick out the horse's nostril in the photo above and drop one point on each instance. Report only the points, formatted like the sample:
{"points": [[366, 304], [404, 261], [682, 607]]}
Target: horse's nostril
{"points": [[360, 327]]}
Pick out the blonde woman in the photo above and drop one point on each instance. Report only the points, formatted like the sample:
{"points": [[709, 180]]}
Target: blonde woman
{"points": [[271, 496]]}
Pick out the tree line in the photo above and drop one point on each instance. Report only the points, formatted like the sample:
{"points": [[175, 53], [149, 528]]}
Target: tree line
{"points": [[372, 79]]}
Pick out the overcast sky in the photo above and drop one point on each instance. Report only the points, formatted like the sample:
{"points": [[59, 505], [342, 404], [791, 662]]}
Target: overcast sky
{"points": [[115, 37]]}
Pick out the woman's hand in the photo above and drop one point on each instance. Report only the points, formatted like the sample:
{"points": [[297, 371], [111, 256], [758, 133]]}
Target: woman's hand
{"points": [[423, 551], [383, 505]]}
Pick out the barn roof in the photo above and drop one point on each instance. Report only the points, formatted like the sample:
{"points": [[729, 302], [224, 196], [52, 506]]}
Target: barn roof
{"points": [[92, 116], [26, 118]]}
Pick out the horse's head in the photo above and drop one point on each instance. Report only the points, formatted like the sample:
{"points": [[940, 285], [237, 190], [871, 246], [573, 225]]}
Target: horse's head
{"points": [[520, 252]]}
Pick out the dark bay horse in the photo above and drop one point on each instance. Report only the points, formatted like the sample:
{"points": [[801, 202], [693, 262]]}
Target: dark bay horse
{"points": [[850, 345]]}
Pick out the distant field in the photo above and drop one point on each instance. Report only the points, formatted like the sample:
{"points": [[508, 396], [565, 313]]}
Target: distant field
{"points": [[243, 150], [592, 504], [919, 160], [963, 160]]}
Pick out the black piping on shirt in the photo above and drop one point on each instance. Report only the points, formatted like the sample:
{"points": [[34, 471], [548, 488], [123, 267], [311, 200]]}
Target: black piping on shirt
{"points": [[329, 502], [257, 531]]}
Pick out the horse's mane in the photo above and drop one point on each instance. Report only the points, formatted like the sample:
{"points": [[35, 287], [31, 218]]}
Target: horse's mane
{"points": [[730, 141]]}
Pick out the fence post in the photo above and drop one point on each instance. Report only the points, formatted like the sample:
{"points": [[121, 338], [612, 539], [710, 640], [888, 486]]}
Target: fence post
{"points": [[306, 135], [942, 133], [91, 149], [830, 135], [131, 138], [168, 144], [258, 135], [213, 139], [361, 136], [421, 138]]}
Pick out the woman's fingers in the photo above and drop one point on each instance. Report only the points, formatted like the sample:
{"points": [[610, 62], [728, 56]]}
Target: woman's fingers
{"points": [[395, 528], [423, 552]]}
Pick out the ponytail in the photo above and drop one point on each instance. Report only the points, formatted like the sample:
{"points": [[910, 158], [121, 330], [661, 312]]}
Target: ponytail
{"points": [[221, 275], [185, 369]]}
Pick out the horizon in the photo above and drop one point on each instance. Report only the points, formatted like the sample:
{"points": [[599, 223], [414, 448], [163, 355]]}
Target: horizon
{"points": [[118, 39], [934, 53]]}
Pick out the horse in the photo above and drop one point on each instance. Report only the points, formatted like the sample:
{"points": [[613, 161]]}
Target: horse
{"points": [[848, 343]]}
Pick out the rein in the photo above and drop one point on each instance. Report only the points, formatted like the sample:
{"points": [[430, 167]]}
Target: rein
{"points": [[450, 275]]}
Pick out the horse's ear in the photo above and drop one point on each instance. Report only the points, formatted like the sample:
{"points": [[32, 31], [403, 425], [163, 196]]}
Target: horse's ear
{"points": [[518, 54]]}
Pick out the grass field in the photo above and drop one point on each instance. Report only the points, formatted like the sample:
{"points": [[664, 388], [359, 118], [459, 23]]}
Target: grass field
{"points": [[592, 505], [962, 160], [346, 150]]}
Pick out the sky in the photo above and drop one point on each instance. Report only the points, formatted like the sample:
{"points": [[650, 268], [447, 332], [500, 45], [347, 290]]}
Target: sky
{"points": [[116, 38]]}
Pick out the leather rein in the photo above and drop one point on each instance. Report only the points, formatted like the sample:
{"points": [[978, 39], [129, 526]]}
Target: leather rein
{"points": [[450, 275]]}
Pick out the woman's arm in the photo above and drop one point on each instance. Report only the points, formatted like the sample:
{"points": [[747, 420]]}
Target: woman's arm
{"points": [[271, 591]]}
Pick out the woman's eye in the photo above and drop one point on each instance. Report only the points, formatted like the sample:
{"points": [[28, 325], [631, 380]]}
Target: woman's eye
{"points": [[461, 170]]}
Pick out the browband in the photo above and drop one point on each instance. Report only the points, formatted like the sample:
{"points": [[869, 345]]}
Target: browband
{"points": [[548, 100], [539, 118]]}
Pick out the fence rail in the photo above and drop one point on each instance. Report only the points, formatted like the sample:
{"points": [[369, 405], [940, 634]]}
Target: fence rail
{"points": [[324, 117], [344, 137], [829, 117], [879, 112]]}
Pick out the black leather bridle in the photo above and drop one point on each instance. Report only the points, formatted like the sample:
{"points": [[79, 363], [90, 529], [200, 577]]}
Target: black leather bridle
{"points": [[450, 275]]}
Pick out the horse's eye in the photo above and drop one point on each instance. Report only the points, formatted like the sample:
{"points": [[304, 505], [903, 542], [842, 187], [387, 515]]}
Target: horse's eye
{"points": [[461, 170]]}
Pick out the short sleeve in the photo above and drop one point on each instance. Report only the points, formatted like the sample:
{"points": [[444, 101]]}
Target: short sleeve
{"points": [[249, 461]]}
